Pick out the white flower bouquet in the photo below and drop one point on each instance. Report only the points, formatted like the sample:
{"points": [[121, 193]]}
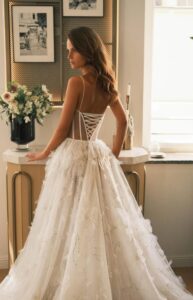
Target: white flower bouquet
{"points": [[22, 104]]}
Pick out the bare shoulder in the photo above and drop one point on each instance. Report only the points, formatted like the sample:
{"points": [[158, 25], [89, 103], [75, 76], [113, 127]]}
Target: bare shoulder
{"points": [[74, 81], [74, 87]]}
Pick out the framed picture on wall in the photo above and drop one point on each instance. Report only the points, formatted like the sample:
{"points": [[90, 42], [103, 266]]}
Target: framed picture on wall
{"points": [[32, 33], [83, 8]]}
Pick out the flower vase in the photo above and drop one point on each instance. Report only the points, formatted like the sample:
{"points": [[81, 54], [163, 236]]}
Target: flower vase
{"points": [[22, 133]]}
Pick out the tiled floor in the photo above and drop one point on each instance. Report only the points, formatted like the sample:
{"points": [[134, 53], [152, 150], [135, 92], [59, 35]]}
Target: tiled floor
{"points": [[186, 273]]}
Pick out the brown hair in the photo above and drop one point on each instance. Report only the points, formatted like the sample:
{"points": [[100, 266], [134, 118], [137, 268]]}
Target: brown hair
{"points": [[89, 44]]}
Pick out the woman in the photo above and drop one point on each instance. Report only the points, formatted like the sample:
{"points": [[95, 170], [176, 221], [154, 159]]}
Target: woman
{"points": [[89, 239]]}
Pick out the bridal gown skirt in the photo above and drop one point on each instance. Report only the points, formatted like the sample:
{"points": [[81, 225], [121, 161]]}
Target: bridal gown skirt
{"points": [[88, 239]]}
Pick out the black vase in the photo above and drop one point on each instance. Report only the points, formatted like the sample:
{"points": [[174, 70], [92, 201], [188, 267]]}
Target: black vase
{"points": [[22, 133]]}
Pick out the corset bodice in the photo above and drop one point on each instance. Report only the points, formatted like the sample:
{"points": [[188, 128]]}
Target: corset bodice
{"points": [[85, 126]]}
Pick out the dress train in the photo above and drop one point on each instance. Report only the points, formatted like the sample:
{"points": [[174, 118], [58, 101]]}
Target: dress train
{"points": [[89, 239]]}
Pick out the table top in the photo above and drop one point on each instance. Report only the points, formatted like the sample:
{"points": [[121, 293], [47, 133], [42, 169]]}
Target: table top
{"points": [[134, 156]]}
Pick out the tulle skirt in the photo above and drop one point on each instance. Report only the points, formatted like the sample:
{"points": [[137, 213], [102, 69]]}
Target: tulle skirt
{"points": [[89, 239]]}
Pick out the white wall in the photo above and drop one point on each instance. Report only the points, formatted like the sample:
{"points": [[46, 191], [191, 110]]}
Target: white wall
{"points": [[169, 206], [131, 59]]}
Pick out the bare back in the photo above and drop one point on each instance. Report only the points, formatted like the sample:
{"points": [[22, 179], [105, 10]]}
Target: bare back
{"points": [[90, 110]]}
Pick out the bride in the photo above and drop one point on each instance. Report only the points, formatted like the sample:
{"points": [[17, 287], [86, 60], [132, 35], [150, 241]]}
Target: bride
{"points": [[88, 239]]}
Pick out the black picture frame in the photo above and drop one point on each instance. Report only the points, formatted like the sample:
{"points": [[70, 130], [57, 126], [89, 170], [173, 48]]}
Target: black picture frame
{"points": [[33, 33], [83, 8]]}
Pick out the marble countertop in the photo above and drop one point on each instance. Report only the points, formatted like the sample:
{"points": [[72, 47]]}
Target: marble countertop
{"points": [[173, 158], [19, 157], [134, 156], [131, 157]]}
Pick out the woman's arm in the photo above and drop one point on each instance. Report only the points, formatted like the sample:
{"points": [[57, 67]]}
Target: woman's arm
{"points": [[71, 99], [121, 121]]}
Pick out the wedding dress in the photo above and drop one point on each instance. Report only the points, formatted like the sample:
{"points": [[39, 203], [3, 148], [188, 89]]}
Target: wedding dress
{"points": [[89, 239]]}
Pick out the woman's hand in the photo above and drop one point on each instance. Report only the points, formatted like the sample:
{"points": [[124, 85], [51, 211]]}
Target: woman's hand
{"points": [[37, 156]]}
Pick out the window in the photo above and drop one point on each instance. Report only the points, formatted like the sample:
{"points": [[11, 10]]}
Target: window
{"points": [[172, 74]]}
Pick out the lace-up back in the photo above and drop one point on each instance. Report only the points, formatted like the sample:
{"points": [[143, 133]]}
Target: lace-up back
{"points": [[86, 125]]}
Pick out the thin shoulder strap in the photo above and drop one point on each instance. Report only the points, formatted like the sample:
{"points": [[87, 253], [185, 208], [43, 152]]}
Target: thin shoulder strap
{"points": [[83, 92]]}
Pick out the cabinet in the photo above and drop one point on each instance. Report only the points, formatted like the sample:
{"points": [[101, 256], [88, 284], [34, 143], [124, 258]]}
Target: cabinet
{"points": [[24, 181], [135, 175], [133, 165]]}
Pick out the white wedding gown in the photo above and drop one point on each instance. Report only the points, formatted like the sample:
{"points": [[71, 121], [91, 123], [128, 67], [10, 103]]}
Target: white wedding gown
{"points": [[88, 239]]}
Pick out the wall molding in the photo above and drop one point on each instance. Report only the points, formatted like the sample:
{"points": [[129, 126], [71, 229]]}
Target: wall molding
{"points": [[181, 260]]}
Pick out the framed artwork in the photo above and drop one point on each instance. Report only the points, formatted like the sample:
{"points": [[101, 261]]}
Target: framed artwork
{"points": [[83, 8], [33, 33]]}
